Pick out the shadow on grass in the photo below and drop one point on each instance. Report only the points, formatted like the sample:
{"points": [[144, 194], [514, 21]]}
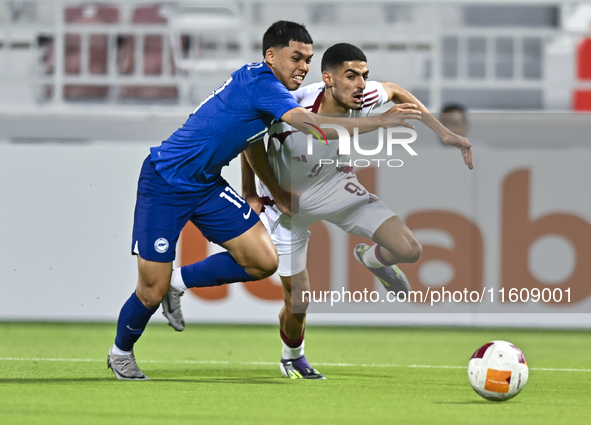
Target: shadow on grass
{"points": [[488, 402], [50, 380], [155, 379]]}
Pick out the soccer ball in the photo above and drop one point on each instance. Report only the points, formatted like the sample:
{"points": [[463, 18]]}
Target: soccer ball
{"points": [[498, 371]]}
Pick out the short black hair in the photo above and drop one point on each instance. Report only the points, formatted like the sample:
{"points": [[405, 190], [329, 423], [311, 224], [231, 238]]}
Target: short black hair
{"points": [[282, 32], [450, 107], [339, 53]]}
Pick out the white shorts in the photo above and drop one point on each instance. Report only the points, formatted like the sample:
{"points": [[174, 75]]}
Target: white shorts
{"points": [[349, 206]]}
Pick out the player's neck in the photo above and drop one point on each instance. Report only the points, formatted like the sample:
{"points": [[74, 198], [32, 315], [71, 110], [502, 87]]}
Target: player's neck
{"points": [[329, 104]]}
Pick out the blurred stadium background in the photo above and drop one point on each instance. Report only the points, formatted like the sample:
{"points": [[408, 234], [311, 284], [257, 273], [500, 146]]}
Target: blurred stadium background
{"points": [[87, 88]]}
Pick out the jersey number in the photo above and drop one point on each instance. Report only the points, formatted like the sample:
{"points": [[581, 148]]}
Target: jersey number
{"points": [[236, 201], [214, 93], [353, 188], [316, 170]]}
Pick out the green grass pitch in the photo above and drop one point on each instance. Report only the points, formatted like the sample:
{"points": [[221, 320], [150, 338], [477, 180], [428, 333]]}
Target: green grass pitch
{"points": [[229, 375]]}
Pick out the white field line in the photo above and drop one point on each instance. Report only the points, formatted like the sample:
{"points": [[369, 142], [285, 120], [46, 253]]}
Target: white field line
{"points": [[223, 362]]}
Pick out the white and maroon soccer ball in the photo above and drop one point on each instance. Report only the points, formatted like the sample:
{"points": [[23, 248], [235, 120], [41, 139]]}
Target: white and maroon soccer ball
{"points": [[498, 371]]}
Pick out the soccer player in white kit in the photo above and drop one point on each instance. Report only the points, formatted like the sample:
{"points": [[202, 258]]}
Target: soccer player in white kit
{"points": [[332, 193]]}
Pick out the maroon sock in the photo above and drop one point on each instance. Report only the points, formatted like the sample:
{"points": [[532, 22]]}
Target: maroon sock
{"points": [[292, 343]]}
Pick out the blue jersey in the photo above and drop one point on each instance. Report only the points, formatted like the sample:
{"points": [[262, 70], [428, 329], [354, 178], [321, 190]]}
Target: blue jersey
{"points": [[237, 114]]}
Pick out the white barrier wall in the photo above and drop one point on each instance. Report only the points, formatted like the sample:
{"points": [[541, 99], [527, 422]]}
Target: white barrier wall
{"points": [[521, 219], [66, 219]]}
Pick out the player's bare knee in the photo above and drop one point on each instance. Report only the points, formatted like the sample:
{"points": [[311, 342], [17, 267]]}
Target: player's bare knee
{"points": [[151, 289], [153, 281], [153, 301], [151, 295], [415, 251], [264, 262], [264, 267], [409, 252]]}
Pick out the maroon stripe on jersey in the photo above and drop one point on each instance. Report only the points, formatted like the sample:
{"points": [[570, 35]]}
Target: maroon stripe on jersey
{"points": [[371, 99], [309, 107], [317, 102], [370, 93], [267, 202], [345, 169], [282, 136], [369, 104], [300, 158]]}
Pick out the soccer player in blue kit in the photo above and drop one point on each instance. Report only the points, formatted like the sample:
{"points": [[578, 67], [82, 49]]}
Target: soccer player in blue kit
{"points": [[181, 180]]}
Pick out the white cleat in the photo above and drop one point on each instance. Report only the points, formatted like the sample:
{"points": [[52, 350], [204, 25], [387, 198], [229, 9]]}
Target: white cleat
{"points": [[124, 367], [391, 277], [171, 309]]}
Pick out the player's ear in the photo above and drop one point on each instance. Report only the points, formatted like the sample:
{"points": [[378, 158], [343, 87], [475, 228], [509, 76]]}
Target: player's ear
{"points": [[327, 77], [270, 56]]}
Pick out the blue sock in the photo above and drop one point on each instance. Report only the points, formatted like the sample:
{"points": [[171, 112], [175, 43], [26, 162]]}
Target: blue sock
{"points": [[133, 318], [215, 270]]}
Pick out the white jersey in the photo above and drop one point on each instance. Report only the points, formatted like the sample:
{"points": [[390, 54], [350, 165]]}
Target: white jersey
{"points": [[287, 150]]}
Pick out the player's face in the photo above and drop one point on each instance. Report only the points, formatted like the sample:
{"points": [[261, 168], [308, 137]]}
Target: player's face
{"points": [[348, 83], [290, 64]]}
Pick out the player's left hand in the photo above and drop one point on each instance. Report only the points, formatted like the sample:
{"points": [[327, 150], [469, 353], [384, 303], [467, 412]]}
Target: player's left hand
{"points": [[463, 144], [287, 202]]}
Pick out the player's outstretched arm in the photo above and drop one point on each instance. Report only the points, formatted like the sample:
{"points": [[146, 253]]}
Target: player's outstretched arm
{"points": [[257, 161], [403, 97], [295, 118], [249, 190]]}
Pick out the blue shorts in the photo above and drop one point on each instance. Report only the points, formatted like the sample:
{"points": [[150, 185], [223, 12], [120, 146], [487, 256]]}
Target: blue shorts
{"points": [[162, 210]]}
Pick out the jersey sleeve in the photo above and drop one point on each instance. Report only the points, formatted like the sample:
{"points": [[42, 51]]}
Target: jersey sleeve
{"points": [[299, 94], [307, 93], [374, 95], [271, 97]]}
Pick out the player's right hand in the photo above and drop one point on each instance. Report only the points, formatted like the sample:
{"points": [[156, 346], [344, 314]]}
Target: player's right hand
{"points": [[398, 113], [463, 144]]}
